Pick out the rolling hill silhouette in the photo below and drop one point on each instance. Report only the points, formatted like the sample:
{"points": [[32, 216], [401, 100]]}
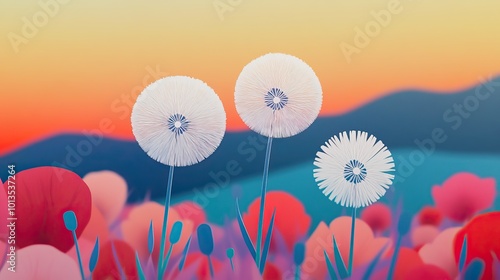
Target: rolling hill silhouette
{"points": [[468, 121]]}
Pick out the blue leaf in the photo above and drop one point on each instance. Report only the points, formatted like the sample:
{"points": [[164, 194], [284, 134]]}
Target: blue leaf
{"points": [[463, 255], [184, 254], [299, 252], [244, 232], [205, 239], [94, 257], [175, 233], [404, 223], [267, 243], [151, 238], [329, 264], [373, 263], [339, 261], [475, 270], [139, 267], [70, 221]]}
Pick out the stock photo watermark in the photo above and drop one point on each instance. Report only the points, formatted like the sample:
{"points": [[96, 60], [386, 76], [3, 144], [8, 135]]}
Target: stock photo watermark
{"points": [[122, 106], [11, 219], [31, 25], [453, 118], [223, 7], [363, 35]]}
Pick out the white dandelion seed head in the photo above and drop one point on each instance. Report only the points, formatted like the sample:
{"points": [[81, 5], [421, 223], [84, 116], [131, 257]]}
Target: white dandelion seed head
{"points": [[178, 121], [278, 95], [354, 169]]}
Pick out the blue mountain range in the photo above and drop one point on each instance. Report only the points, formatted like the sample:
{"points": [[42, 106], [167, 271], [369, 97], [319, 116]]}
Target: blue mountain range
{"points": [[467, 122]]}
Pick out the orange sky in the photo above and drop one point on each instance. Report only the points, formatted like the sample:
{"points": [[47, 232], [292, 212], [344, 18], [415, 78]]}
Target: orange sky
{"points": [[85, 61]]}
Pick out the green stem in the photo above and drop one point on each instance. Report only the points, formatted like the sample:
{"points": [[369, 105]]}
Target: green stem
{"points": [[263, 200], [165, 219], [351, 246]]}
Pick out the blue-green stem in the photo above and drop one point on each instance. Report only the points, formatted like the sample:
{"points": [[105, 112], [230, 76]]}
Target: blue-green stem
{"points": [[351, 246], [297, 272], [165, 262], [263, 200], [78, 254], [211, 267], [390, 274], [165, 218]]}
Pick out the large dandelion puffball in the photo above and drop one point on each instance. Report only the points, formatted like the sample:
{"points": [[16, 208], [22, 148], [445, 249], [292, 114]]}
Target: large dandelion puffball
{"points": [[178, 121], [354, 169], [278, 95]]}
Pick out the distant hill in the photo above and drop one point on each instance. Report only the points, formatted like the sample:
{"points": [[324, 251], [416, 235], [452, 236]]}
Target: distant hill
{"points": [[398, 120]]}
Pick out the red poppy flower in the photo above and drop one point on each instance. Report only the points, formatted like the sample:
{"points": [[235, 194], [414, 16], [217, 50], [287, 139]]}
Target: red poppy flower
{"points": [[271, 272], [43, 194], [107, 267], [482, 241], [430, 216], [427, 271], [291, 221]]}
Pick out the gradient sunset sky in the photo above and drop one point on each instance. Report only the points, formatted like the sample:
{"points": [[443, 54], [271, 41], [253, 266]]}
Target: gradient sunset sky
{"points": [[84, 63]]}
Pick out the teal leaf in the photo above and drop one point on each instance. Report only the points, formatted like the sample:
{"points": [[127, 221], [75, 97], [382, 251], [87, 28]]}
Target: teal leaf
{"points": [[404, 223], [184, 254], [94, 257], [339, 261], [373, 263], [267, 243], [463, 255], [244, 231], [329, 264], [151, 238], [139, 267], [475, 270]]}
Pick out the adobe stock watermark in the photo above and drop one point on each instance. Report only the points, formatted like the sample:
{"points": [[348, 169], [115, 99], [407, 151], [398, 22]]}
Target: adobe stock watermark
{"points": [[31, 25], [93, 138], [453, 117], [363, 35], [225, 6]]}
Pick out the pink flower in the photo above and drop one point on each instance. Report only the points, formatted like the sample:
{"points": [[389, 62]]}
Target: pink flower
{"points": [[366, 246], [377, 216], [463, 195], [42, 262], [422, 235], [440, 251], [109, 193]]}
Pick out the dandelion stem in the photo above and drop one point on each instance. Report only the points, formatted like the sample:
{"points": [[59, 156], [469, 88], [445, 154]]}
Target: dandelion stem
{"points": [[351, 246], [165, 218], [263, 200]]}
